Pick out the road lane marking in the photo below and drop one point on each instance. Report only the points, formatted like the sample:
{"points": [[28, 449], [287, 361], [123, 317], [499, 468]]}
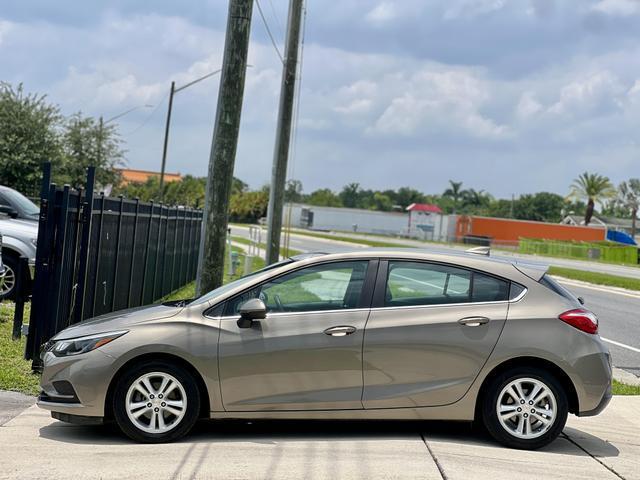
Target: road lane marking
{"points": [[613, 342], [596, 287]]}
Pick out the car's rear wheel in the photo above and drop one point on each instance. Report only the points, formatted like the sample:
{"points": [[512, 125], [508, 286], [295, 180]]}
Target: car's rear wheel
{"points": [[156, 402], [525, 408]]}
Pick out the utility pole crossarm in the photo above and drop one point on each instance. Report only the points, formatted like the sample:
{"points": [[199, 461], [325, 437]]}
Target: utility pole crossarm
{"points": [[283, 134]]}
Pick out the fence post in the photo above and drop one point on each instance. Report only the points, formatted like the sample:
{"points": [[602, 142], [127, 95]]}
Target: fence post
{"points": [[133, 251], [21, 296], [87, 215], [36, 321], [98, 247], [175, 248], [146, 254], [59, 253], [117, 257], [155, 269]]}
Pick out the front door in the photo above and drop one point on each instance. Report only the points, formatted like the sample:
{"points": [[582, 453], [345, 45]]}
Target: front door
{"points": [[307, 353], [432, 331]]}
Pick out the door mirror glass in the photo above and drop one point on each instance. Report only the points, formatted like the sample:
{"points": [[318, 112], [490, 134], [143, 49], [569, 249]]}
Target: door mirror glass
{"points": [[251, 310]]}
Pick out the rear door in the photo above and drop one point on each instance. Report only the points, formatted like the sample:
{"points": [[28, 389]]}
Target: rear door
{"points": [[307, 353], [431, 330]]}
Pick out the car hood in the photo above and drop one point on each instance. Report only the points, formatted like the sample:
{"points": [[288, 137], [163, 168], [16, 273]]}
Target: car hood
{"points": [[120, 320], [18, 228]]}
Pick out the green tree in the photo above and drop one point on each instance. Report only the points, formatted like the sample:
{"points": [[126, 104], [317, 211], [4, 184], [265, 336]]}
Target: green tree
{"points": [[28, 137], [324, 197], [248, 207], [350, 195], [293, 191], [629, 195], [594, 188], [407, 195], [455, 193], [188, 192], [541, 207], [382, 202], [87, 142]]}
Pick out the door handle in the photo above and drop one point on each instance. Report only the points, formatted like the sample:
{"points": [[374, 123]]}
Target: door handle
{"points": [[340, 331], [473, 321]]}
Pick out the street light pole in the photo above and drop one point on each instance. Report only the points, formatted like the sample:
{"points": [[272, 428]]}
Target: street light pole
{"points": [[172, 92]]}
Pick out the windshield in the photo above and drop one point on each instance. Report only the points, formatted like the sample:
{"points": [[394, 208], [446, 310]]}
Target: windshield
{"points": [[231, 285], [21, 203]]}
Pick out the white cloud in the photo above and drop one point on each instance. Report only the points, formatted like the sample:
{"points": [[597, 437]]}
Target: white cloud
{"points": [[528, 105], [597, 93], [436, 101], [382, 13], [618, 7], [471, 8], [5, 28]]}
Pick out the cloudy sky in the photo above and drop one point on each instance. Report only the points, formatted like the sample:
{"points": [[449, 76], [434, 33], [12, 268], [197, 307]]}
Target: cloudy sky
{"points": [[509, 96]]}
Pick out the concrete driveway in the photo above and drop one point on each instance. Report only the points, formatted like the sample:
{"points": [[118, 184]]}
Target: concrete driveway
{"points": [[32, 445]]}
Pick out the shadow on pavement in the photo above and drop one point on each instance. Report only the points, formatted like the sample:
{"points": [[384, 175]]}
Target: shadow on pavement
{"points": [[273, 431]]}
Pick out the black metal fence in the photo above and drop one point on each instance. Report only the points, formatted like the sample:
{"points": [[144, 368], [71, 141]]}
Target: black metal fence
{"points": [[98, 254]]}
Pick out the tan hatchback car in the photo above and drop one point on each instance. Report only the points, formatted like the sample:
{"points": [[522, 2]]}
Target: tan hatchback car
{"points": [[369, 334]]}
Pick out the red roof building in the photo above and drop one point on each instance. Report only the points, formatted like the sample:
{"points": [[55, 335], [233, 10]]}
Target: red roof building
{"points": [[424, 207]]}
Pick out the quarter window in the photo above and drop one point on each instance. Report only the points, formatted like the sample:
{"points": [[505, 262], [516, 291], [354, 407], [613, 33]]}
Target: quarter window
{"points": [[331, 286], [416, 283]]}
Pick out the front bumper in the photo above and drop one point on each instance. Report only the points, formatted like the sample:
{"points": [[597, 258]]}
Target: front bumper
{"points": [[86, 377]]}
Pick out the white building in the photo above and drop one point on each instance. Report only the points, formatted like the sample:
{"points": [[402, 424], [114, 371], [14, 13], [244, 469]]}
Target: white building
{"points": [[419, 222]]}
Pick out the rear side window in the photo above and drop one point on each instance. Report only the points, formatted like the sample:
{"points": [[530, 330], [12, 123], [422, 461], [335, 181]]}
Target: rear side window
{"points": [[551, 284], [417, 283], [488, 289]]}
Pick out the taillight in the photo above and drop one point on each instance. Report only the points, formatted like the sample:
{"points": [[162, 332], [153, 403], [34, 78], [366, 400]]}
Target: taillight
{"points": [[581, 319]]}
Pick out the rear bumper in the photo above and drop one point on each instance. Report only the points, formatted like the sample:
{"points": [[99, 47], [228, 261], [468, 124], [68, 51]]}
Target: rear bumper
{"points": [[606, 398]]}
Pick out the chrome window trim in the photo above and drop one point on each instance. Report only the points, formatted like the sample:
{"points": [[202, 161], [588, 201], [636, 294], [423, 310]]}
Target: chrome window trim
{"points": [[306, 312], [404, 307]]}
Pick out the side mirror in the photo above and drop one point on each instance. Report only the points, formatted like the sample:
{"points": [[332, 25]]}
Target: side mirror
{"points": [[251, 310], [9, 210], [581, 300]]}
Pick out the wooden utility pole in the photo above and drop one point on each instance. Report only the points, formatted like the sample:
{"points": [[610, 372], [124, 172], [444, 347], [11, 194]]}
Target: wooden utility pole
{"points": [[283, 134], [223, 146]]}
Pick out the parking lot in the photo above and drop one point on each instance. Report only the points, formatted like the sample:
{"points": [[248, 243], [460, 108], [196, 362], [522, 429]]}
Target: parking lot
{"points": [[33, 445]]}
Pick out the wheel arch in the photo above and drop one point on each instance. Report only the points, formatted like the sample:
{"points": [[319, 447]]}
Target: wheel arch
{"points": [[158, 356], [535, 362]]}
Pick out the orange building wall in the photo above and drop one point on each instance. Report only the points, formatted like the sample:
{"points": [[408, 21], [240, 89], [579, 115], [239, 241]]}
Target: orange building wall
{"points": [[510, 231]]}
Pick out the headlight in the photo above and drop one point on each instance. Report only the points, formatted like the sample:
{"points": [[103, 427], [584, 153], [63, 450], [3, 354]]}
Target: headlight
{"points": [[76, 346]]}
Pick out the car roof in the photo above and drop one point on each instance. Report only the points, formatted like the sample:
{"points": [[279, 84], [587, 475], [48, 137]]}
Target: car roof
{"points": [[497, 265]]}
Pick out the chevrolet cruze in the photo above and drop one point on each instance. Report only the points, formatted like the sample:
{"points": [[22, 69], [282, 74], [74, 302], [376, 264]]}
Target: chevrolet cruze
{"points": [[369, 334]]}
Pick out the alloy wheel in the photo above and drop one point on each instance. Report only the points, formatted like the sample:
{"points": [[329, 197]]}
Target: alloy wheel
{"points": [[156, 402], [526, 408], [9, 281]]}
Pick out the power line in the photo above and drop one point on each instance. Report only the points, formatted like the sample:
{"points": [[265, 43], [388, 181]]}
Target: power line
{"points": [[278, 22], [146, 120], [266, 26]]}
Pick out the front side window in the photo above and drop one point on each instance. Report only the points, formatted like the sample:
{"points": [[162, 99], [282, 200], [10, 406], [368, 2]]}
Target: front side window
{"points": [[416, 283], [331, 286]]}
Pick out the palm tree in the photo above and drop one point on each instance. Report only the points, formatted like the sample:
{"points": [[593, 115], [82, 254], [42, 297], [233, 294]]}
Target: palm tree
{"points": [[595, 188], [629, 194], [455, 192]]}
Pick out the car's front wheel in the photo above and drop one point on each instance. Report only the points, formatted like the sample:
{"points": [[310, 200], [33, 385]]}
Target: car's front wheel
{"points": [[525, 408], [156, 402]]}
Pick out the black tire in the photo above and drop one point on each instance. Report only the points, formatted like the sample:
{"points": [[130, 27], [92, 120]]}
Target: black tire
{"points": [[11, 268], [505, 436], [181, 427]]}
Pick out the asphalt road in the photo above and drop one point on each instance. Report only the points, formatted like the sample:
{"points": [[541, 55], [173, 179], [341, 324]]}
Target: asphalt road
{"points": [[619, 314]]}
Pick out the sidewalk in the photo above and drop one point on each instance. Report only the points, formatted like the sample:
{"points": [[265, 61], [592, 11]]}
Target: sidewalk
{"points": [[33, 445]]}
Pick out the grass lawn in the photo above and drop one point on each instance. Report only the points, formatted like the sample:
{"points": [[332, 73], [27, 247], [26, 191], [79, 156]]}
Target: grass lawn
{"points": [[283, 251], [15, 372], [623, 389], [597, 278]]}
